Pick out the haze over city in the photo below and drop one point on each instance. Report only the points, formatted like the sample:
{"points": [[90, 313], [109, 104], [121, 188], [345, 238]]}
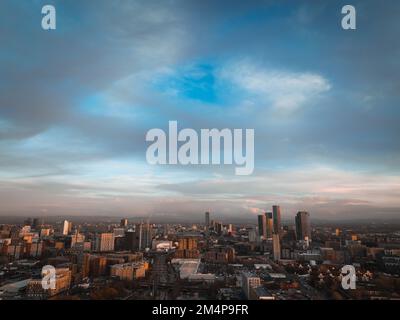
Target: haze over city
{"points": [[76, 103]]}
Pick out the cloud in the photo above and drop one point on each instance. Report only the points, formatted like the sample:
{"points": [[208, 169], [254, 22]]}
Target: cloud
{"points": [[324, 192], [286, 91], [295, 183], [75, 105]]}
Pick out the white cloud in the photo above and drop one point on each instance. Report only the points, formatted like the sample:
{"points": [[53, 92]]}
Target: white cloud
{"points": [[286, 91]]}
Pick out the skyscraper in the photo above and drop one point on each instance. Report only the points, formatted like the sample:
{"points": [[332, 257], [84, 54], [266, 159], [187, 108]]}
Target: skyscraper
{"points": [[303, 226], [66, 227], [218, 227], [269, 224], [146, 235], [276, 246], [207, 220], [276, 213], [262, 226]]}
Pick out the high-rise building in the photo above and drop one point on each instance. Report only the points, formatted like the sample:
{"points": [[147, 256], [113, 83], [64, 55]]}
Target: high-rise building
{"points": [[276, 214], [276, 246], [124, 223], [303, 226], [253, 235], [104, 242], [218, 227], [119, 239], [139, 238], [66, 227], [207, 220], [146, 235], [269, 224], [132, 240], [262, 226]]}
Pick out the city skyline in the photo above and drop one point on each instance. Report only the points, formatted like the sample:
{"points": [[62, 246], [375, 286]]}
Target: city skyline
{"points": [[76, 103], [131, 260], [199, 157]]}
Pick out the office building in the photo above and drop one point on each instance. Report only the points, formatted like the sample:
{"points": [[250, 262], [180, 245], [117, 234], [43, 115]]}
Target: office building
{"points": [[207, 220], [262, 226], [104, 242], [303, 226], [276, 215], [269, 224], [140, 237], [131, 240], [66, 227], [145, 232], [276, 246], [218, 227]]}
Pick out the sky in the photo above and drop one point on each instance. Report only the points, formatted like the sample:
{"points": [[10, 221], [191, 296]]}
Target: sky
{"points": [[76, 103]]}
